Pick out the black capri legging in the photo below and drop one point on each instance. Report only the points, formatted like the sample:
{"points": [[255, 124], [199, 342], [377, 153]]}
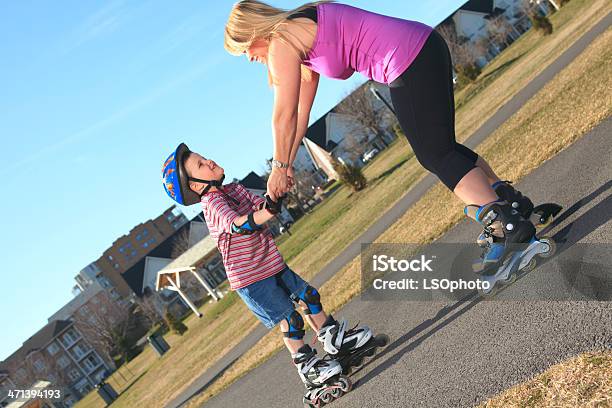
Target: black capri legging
{"points": [[423, 99]]}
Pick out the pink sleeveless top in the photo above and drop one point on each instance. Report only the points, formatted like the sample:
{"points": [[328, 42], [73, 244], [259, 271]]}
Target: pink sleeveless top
{"points": [[350, 39]]}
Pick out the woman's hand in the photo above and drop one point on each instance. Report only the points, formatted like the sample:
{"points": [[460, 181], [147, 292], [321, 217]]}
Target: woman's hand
{"points": [[291, 177], [278, 183]]}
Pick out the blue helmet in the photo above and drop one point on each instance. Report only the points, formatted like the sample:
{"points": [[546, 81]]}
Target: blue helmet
{"points": [[175, 178], [176, 181]]}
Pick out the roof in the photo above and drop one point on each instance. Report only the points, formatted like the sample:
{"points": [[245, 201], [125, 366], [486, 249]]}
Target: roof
{"points": [[495, 13], [79, 300], [479, 6], [192, 256], [317, 132], [134, 275], [253, 181], [39, 339]]}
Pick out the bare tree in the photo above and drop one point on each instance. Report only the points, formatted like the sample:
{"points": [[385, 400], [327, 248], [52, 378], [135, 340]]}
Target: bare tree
{"points": [[499, 28], [362, 108], [303, 190], [464, 53], [106, 328], [148, 306], [354, 145], [536, 14], [180, 243], [54, 373]]}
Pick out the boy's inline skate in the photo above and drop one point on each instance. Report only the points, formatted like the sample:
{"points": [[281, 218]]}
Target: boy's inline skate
{"points": [[349, 346], [323, 378], [510, 244]]}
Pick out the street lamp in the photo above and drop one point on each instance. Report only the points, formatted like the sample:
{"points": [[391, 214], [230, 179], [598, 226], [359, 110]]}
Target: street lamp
{"points": [[380, 98]]}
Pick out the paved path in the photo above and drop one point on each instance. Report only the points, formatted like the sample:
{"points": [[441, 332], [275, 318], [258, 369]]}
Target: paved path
{"points": [[402, 205], [458, 353]]}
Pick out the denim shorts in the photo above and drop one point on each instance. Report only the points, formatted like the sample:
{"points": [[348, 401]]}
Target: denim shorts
{"points": [[268, 300]]}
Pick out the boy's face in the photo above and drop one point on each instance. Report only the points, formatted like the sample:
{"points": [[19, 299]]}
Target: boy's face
{"points": [[202, 168]]}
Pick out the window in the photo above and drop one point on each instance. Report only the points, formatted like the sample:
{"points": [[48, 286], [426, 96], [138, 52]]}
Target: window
{"points": [[145, 232], [39, 365], [116, 266], [63, 362], [74, 374], [69, 337], [79, 350], [104, 282], [21, 374], [138, 237], [53, 348], [91, 362], [51, 378], [145, 245], [110, 258], [84, 310], [114, 294]]}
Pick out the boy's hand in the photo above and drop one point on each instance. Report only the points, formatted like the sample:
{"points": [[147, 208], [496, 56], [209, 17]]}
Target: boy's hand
{"points": [[274, 207], [291, 177]]}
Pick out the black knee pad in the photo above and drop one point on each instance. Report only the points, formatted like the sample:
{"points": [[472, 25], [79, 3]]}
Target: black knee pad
{"points": [[312, 298], [296, 326]]}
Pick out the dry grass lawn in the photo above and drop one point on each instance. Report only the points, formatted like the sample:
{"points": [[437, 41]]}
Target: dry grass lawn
{"points": [[574, 102], [570, 105], [583, 381]]}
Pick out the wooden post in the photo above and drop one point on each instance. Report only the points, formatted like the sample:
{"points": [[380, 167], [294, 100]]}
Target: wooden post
{"points": [[210, 290], [185, 298]]}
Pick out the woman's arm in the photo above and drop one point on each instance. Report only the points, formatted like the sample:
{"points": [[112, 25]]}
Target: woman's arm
{"points": [[285, 69], [308, 90]]}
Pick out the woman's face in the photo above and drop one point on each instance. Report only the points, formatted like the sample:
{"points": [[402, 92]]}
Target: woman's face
{"points": [[258, 51]]}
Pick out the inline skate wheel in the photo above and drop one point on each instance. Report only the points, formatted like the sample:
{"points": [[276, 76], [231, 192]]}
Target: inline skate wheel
{"points": [[326, 397], [552, 247], [382, 340], [489, 292], [310, 404], [336, 392], [345, 384], [530, 266], [511, 279]]}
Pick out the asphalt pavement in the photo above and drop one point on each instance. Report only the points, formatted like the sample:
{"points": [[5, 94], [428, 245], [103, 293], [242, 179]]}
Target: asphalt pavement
{"points": [[399, 209], [459, 353]]}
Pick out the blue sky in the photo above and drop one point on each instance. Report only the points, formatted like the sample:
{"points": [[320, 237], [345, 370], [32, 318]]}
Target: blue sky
{"points": [[93, 97]]}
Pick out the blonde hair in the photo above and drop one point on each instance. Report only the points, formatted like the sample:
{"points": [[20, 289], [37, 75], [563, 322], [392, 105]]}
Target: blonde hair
{"points": [[251, 20]]}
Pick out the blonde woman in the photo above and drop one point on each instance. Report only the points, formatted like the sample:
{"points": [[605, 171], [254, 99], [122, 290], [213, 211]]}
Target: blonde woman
{"points": [[336, 40]]}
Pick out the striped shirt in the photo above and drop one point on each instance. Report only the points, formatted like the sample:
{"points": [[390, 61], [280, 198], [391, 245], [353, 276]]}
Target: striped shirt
{"points": [[247, 258]]}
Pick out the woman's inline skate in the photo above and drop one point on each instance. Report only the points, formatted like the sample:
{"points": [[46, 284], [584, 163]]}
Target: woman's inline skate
{"points": [[540, 216], [349, 346], [509, 244]]}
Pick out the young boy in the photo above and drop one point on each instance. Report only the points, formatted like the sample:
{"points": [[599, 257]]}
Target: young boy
{"points": [[256, 270]]}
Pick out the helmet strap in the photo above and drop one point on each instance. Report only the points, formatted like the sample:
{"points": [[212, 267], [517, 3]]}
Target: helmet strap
{"points": [[212, 183]]}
